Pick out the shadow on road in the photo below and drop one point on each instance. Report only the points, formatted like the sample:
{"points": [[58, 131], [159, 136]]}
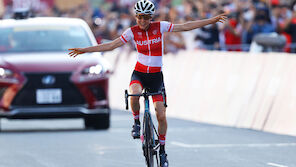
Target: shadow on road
{"points": [[38, 130], [40, 126]]}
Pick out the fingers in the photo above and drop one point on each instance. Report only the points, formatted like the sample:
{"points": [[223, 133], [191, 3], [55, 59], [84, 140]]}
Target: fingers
{"points": [[222, 18], [74, 52]]}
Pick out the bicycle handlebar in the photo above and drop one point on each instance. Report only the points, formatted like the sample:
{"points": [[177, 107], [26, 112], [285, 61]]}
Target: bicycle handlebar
{"points": [[146, 94], [126, 99]]}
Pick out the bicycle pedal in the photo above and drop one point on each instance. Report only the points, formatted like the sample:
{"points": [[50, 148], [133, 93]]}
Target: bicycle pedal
{"points": [[136, 137], [156, 141]]}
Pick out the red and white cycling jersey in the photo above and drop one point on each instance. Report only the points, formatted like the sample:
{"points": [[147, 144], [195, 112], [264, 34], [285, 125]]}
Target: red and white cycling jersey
{"points": [[149, 45]]}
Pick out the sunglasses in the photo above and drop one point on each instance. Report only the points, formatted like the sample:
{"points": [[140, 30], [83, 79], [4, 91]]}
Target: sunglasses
{"points": [[145, 17]]}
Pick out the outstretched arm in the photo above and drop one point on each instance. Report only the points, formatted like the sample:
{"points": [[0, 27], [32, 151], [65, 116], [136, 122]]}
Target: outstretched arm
{"points": [[199, 23], [99, 48]]}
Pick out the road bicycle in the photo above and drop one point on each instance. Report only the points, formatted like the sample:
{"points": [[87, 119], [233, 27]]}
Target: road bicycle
{"points": [[149, 137]]}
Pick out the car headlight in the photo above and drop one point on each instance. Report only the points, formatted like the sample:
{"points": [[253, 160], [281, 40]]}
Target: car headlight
{"points": [[93, 70], [5, 73]]}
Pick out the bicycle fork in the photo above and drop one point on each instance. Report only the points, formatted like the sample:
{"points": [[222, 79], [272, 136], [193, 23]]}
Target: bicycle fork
{"points": [[149, 126]]}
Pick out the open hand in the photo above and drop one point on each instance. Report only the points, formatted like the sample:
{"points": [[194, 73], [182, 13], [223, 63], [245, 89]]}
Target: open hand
{"points": [[75, 52], [222, 18]]}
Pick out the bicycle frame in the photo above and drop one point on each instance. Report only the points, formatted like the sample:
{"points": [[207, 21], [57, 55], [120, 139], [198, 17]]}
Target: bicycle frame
{"points": [[149, 133]]}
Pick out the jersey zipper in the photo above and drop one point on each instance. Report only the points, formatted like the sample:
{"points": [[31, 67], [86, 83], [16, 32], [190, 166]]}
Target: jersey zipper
{"points": [[149, 51]]}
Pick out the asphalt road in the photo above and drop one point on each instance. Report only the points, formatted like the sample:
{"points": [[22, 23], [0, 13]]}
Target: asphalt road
{"points": [[64, 143]]}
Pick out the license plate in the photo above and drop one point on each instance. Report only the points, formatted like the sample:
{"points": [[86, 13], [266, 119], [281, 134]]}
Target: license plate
{"points": [[48, 96]]}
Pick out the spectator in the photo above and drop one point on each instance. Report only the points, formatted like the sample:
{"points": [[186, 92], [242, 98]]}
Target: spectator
{"points": [[260, 24], [233, 31], [174, 41], [208, 37], [279, 17], [290, 27], [189, 36], [108, 18]]}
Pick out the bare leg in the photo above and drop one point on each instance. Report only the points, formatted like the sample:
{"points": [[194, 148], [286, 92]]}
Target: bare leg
{"points": [[135, 104], [161, 117], [162, 129]]}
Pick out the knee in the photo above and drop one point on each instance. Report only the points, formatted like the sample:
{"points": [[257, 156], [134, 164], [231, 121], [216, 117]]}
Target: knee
{"points": [[135, 89], [161, 116]]}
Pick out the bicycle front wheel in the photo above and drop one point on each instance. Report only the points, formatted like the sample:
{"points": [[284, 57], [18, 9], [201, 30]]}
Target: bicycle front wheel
{"points": [[148, 142]]}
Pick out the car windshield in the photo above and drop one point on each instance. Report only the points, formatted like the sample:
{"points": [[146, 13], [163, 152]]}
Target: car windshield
{"points": [[42, 38]]}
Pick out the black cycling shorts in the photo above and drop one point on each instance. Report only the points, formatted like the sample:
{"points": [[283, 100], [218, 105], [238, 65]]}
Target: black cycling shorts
{"points": [[151, 81]]}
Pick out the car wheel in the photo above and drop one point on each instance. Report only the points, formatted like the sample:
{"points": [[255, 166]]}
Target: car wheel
{"points": [[101, 121]]}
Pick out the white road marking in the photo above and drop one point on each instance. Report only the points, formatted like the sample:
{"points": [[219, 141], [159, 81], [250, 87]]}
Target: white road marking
{"points": [[277, 165], [232, 145]]}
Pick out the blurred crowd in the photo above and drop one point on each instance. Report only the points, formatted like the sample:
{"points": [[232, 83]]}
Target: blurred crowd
{"points": [[247, 18]]}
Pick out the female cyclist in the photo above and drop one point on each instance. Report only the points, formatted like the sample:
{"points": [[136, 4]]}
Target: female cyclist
{"points": [[148, 38]]}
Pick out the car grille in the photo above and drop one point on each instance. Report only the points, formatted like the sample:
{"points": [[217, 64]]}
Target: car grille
{"points": [[27, 95], [98, 92]]}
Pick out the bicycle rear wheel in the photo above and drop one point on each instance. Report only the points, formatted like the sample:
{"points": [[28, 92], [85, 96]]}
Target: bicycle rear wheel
{"points": [[148, 142]]}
